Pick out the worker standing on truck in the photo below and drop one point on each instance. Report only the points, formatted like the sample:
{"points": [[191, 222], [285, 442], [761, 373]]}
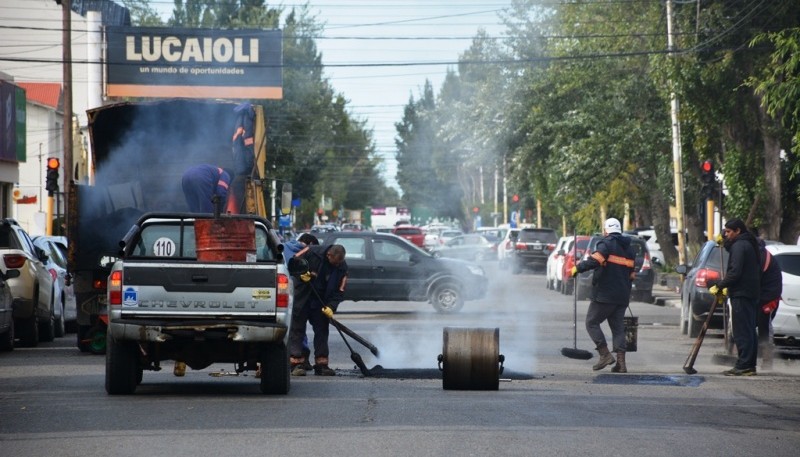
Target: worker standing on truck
{"points": [[318, 292], [201, 183]]}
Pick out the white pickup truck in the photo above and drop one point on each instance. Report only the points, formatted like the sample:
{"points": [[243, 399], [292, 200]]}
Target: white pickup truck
{"points": [[174, 295]]}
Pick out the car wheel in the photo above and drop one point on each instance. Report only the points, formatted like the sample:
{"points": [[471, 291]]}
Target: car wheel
{"points": [[60, 324], [684, 323], [121, 367], [29, 332], [446, 298], [47, 329], [7, 338], [275, 379], [694, 327]]}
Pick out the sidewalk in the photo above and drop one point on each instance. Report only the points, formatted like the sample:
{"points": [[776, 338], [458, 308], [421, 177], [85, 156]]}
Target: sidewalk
{"points": [[666, 290]]}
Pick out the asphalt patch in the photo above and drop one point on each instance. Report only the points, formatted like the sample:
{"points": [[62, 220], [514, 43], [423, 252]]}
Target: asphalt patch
{"points": [[652, 380], [422, 373]]}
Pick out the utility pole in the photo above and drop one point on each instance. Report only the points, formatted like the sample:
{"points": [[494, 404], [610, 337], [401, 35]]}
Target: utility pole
{"points": [[66, 43], [677, 165]]}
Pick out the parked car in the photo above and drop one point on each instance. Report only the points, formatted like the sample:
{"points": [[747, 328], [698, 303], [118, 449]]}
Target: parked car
{"points": [[552, 279], [449, 234], [505, 247], [412, 233], [64, 303], [786, 324], [568, 261], [6, 310], [705, 270], [532, 248], [494, 232], [324, 228], [385, 267], [642, 289], [653, 245], [468, 247], [353, 227], [34, 318]]}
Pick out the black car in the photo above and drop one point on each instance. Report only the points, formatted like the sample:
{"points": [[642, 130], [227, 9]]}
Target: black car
{"points": [[642, 289], [383, 266], [706, 270], [532, 248]]}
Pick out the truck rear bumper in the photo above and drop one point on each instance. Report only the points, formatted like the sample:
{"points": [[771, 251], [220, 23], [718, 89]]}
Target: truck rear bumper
{"points": [[160, 332]]}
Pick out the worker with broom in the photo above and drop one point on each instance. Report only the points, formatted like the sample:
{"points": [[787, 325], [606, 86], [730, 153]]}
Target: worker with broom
{"points": [[322, 274], [613, 265]]}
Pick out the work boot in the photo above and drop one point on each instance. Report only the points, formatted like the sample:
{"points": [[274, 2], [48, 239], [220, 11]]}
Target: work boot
{"points": [[323, 370], [606, 358], [620, 366], [298, 370], [305, 363], [767, 353], [180, 369]]}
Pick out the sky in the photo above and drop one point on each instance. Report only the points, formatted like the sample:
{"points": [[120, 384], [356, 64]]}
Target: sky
{"points": [[422, 36]]}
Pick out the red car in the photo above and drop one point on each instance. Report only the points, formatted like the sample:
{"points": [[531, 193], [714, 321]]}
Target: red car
{"points": [[568, 283], [412, 233]]}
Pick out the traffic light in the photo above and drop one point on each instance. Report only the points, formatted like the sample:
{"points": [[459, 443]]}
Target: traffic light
{"points": [[707, 178], [515, 198], [52, 176]]}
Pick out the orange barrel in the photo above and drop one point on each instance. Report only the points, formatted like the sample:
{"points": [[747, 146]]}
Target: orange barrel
{"points": [[471, 359], [224, 240]]}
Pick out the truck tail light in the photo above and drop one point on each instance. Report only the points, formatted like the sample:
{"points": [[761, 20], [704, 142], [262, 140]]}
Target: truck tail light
{"points": [[14, 261], [705, 277], [115, 288], [282, 299]]}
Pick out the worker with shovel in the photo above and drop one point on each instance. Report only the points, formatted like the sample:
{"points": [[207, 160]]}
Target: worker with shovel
{"points": [[322, 278], [613, 265]]}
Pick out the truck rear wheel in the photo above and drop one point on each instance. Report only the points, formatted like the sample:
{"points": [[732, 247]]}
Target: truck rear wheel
{"points": [[275, 369], [122, 370]]}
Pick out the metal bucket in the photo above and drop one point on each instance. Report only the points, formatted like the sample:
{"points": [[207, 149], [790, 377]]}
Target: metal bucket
{"points": [[470, 359], [631, 332], [224, 240]]}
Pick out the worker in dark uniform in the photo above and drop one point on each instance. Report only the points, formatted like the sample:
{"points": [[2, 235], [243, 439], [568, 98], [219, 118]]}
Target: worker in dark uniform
{"points": [[318, 292], [742, 284], [613, 265], [201, 183]]}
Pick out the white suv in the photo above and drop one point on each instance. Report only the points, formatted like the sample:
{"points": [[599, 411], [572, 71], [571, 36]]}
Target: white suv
{"points": [[33, 290]]}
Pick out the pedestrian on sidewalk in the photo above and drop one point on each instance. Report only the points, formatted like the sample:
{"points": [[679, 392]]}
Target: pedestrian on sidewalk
{"points": [[742, 284]]}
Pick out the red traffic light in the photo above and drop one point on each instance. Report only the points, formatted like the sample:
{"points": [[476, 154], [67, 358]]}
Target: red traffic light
{"points": [[476, 210], [53, 163], [515, 198], [707, 166]]}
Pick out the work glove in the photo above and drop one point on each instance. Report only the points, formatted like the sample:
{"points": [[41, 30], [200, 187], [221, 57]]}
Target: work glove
{"points": [[719, 239], [305, 277], [715, 290], [573, 271], [769, 307], [327, 311]]}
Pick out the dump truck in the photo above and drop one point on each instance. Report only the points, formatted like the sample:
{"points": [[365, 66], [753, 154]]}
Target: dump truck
{"points": [[139, 153]]}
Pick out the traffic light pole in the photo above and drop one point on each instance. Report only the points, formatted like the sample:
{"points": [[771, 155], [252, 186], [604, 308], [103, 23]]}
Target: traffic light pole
{"points": [[710, 217]]}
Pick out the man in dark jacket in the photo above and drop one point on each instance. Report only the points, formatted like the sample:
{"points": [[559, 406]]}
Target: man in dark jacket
{"points": [[613, 265], [317, 293], [742, 284], [768, 300]]}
